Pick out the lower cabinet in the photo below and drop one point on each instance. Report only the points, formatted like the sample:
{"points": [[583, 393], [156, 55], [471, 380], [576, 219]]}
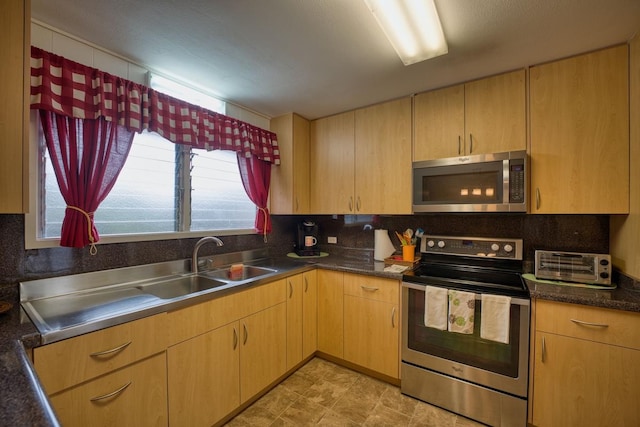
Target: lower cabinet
{"points": [[586, 366], [371, 323], [302, 317], [213, 373], [132, 396], [358, 320]]}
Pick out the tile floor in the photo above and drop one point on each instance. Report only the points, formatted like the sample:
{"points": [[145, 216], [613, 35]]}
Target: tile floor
{"points": [[322, 393]]}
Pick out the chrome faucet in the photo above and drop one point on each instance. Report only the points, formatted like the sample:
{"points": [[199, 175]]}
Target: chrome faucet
{"points": [[194, 257]]}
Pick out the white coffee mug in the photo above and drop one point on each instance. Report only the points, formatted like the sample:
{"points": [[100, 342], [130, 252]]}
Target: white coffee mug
{"points": [[310, 241]]}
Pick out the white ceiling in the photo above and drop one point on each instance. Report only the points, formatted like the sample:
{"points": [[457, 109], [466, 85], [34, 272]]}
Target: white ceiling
{"points": [[319, 57]]}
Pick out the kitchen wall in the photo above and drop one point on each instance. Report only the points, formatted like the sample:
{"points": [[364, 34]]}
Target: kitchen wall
{"points": [[625, 229]]}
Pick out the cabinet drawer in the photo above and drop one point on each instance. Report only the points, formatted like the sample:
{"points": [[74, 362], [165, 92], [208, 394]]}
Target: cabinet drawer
{"points": [[591, 323], [376, 288], [66, 363], [195, 320], [132, 396]]}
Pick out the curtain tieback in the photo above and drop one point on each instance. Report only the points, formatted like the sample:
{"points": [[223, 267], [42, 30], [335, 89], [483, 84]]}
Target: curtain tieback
{"points": [[89, 217], [266, 217]]}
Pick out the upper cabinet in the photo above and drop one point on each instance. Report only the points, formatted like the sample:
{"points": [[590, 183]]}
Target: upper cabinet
{"points": [[14, 109], [361, 161], [290, 180], [479, 117], [580, 134]]}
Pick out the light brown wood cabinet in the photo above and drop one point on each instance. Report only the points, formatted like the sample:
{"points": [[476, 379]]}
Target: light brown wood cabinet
{"points": [[480, 117], [115, 376], [290, 180], [331, 313], [371, 323], [302, 317], [580, 134], [15, 21], [586, 366], [361, 161], [224, 352]]}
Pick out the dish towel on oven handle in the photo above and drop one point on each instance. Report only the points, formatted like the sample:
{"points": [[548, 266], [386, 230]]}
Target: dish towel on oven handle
{"points": [[494, 323], [435, 308], [461, 311]]}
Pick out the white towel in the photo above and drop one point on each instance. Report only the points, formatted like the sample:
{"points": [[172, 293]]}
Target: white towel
{"points": [[435, 307], [494, 325], [461, 311]]}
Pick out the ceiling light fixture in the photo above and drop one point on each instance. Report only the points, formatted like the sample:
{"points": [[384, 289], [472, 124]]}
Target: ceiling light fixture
{"points": [[412, 27]]}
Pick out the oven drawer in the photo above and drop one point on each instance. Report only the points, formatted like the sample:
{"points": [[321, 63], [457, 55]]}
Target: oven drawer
{"points": [[369, 287], [602, 325]]}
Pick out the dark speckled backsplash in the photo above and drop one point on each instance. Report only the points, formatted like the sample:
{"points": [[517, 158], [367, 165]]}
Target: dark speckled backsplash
{"points": [[583, 233]]}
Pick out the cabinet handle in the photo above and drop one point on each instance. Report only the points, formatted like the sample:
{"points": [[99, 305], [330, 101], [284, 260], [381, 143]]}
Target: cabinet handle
{"points": [[537, 198], [351, 204], [246, 333], [297, 204], [113, 350], [112, 394], [358, 204], [235, 338], [393, 317], [290, 289], [583, 323], [544, 349], [369, 288], [470, 143], [459, 146], [306, 284]]}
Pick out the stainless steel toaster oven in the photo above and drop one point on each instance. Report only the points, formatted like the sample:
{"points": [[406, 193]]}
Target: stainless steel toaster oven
{"points": [[573, 267]]}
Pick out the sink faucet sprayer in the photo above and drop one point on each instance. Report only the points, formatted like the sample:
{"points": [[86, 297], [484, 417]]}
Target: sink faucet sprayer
{"points": [[194, 258]]}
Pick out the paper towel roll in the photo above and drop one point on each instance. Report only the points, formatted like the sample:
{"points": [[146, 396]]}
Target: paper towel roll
{"points": [[382, 245]]}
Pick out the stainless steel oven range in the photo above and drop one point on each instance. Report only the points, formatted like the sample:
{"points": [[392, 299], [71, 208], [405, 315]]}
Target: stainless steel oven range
{"points": [[465, 329]]}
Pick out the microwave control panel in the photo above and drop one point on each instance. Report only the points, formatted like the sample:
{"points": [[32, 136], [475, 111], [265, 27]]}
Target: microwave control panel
{"points": [[516, 181]]}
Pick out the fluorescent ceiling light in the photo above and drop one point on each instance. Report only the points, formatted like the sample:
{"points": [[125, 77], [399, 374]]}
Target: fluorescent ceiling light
{"points": [[412, 27]]}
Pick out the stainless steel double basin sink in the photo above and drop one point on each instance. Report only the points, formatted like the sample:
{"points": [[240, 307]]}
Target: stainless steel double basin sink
{"points": [[175, 287]]}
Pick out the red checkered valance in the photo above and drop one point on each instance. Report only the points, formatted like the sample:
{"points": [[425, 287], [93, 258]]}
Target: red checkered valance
{"points": [[75, 90]]}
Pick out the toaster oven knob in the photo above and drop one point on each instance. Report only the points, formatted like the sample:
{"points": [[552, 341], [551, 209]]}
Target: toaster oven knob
{"points": [[604, 275], [495, 247], [604, 262], [441, 244], [508, 248]]}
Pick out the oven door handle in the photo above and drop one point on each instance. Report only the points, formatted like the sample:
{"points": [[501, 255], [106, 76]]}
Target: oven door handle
{"points": [[418, 287]]}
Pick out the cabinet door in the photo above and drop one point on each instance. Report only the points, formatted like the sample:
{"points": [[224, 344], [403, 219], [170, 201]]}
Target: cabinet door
{"points": [[262, 350], [290, 180], [295, 320], [132, 396], [439, 124], [371, 335], [204, 377], [582, 383], [330, 312], [495, 114], [332, 164], [383, 158], [580, 134], [309, 313], [14, 109]]}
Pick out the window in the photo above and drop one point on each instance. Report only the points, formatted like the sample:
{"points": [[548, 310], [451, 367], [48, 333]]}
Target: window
{"points": [[163, 187]]}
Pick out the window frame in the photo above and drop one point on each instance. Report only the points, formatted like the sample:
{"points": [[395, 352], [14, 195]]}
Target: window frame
{"points": [[33, 239]]}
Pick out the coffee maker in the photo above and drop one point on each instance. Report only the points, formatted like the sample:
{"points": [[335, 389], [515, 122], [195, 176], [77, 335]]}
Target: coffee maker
{"points": [[307, 239]]}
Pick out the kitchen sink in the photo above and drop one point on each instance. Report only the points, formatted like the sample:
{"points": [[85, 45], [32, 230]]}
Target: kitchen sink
{"points": [[179, 286], [247, 272]]}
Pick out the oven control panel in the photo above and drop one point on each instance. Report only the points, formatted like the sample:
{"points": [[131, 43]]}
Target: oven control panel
{"points": [[473, 246]]}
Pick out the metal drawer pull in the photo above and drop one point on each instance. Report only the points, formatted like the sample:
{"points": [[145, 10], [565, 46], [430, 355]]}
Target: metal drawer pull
{"points": [[235, 338], [393, 317], [597, 325], [246, 334], [369, 288], [544, 349], [113, 350], [113, 393]]}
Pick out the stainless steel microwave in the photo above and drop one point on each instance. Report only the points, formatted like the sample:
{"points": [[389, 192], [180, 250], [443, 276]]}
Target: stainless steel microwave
{"points": [[481, 183]]}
